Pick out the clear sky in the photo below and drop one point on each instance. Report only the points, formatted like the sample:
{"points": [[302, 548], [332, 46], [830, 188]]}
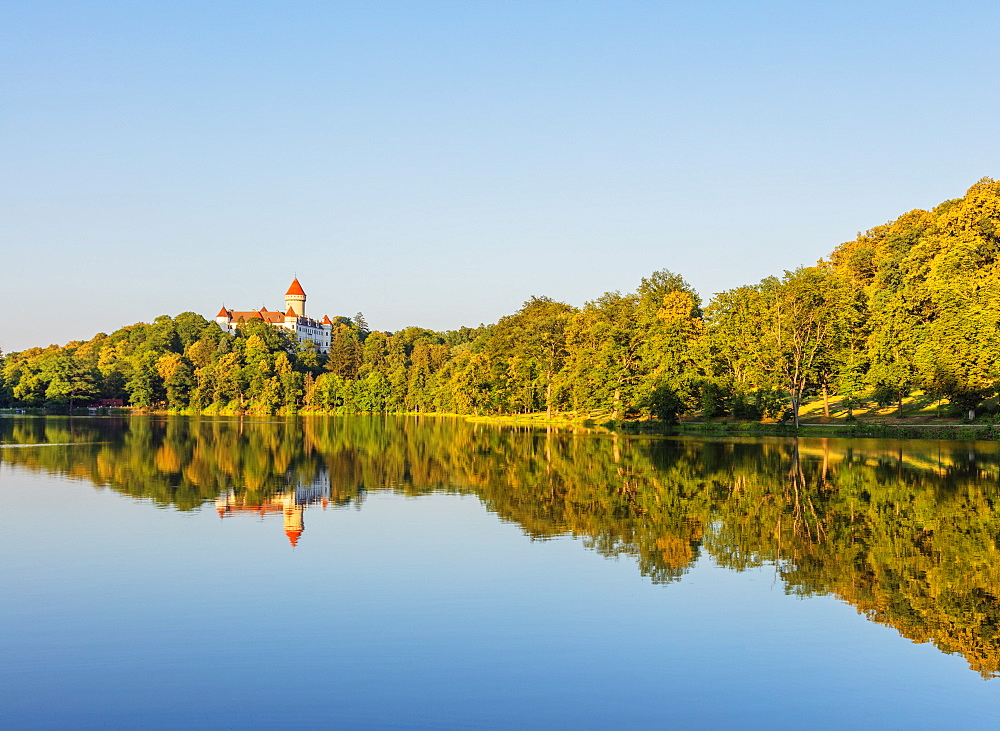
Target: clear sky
{"points": [[437, 163]]}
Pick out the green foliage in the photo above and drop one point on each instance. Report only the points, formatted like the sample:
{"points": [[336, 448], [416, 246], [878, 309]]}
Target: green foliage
{"points": [[931, 280], [913, 304], [665, 404]]}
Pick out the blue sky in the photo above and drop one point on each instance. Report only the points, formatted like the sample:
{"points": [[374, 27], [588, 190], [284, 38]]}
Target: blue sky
{"points": [[438, 163]]}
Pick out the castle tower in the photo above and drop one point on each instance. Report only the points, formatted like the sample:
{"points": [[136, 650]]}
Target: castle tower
{"points": [[224, 318], [295, 298]]}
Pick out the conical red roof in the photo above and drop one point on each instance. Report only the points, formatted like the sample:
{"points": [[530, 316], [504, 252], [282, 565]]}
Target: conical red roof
{"points": [[290, 313], [295, 288], [223, 312], [326, 320]]}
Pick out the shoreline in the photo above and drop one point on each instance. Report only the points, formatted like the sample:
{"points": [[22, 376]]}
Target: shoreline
{"points": [[861, 428]]}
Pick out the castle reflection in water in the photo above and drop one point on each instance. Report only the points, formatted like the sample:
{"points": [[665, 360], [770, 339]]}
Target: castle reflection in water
{"points": [[290, 504]]}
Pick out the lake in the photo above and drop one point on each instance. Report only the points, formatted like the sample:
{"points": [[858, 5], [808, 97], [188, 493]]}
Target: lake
{"points": [[405, 572]]}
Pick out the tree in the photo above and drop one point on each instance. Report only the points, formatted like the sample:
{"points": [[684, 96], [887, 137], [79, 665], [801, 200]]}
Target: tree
{"points": [[806, 329], [602, 369], [362, 326], [68, 379], [532, 344], [344, 355], [670, 316], [731, 353], [143, 383], [178, 379], [796, 321]]}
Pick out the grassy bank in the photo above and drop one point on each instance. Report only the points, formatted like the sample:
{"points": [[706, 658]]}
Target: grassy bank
{"points": [[860, 428], [869, 426]]}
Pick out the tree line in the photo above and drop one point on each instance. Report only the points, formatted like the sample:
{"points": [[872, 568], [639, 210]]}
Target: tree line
{"points": [[910, 305]]}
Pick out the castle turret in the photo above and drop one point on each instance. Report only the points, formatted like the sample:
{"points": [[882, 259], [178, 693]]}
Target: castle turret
{"points": [[224, 318], [295, 298]]}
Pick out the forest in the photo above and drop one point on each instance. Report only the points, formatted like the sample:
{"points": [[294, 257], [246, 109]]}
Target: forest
{"points": [[911, 306]]}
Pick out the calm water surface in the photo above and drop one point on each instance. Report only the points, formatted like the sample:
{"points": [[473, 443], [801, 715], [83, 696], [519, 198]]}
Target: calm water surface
{"points": [[402, 572]]}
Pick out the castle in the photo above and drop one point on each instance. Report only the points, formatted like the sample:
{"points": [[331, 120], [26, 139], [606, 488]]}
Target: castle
{"points": [[294, 319]]}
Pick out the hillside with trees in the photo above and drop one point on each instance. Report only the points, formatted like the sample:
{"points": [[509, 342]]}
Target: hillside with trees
{"points": [[912, 306]]}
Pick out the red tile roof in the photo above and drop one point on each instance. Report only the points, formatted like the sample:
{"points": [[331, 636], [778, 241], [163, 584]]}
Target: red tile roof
{"points": [[295, 288], [223, 312], [262, 314]]}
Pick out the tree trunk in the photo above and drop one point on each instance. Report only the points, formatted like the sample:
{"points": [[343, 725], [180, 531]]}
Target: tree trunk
{"points": [[826, 402], [899, 406]]}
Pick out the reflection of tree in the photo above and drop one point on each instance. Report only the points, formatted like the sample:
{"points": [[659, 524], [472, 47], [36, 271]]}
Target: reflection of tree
{"points": [[906, 534]]}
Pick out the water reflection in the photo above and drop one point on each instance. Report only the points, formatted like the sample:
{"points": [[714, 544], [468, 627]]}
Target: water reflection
{"points": [[289, 503], [907, 532]]}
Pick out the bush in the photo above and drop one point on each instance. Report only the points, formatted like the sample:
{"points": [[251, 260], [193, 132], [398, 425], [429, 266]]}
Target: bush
{"points": [[713, 400], [746, 407], [665, 404]]}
